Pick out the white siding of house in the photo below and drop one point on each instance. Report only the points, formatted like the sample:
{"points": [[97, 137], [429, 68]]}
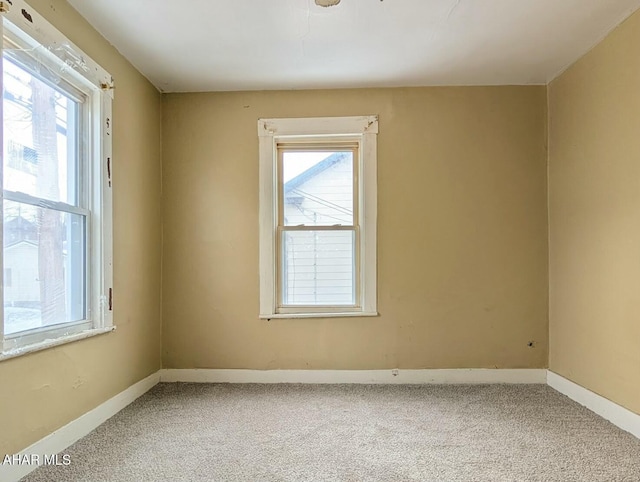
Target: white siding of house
{"points": [[22, 260]]}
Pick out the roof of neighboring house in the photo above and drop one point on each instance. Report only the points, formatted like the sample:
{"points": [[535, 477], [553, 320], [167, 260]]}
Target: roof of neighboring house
{"points": [[19, 229], [22, 241], [313, 171], [20, 221]]}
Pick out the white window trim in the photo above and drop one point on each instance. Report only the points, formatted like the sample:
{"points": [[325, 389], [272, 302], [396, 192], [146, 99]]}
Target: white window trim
{"points": [[272, 131], [35, 29]]}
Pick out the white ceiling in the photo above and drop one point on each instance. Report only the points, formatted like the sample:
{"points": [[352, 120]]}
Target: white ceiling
{"points": [[215, 45]]}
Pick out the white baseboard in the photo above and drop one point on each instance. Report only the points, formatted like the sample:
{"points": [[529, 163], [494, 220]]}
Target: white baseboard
{"points": [[398, 376], [616, 414], [62, 438]]}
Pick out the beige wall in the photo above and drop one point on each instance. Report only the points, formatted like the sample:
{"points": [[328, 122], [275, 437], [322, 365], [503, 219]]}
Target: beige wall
{"points": [[462, 232], [45, 390], [594, 201]]}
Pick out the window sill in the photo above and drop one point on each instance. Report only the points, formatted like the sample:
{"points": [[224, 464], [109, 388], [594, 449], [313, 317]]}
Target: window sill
{"points": [[319, 315], [43, 345]]}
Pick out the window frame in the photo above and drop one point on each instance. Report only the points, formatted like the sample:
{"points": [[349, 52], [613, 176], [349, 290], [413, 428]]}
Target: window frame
{"points": [[51, 48], [323, 133]]}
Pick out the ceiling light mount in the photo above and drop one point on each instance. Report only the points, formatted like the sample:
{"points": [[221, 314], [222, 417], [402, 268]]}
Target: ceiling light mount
{"points": [[327, 3]]}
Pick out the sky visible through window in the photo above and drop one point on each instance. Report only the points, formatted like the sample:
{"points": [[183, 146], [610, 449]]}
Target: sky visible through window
{"points": [[18, 130], [301, 161]]}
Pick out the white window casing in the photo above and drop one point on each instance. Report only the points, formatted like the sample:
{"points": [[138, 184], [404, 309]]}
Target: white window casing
{"points": [[328, 131], [48, 49]]}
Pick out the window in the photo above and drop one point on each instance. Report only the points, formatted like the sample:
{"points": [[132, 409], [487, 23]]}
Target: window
{"points": [[318, 217], [56, 177]]}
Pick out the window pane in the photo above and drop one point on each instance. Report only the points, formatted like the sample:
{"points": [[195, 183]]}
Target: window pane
{"points": [[318, 188], [318, 268], [40, 141], [44, 266]]}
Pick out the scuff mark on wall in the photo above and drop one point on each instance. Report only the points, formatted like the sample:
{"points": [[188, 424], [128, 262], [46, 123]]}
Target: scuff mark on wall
{"points": [[27, 15], [78, 383]]}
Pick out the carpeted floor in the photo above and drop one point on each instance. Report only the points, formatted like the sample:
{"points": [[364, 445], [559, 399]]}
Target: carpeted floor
{"points": [[351, 433]]}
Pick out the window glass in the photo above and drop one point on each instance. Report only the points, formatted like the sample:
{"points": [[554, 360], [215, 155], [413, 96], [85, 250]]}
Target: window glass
{"points": [[44, 244], [44, 252], [318, 188], [319, 268], [40, 137]]}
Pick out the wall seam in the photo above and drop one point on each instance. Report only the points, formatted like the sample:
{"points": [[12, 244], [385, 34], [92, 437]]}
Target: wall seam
{"points": [[548, 152], [162, 99]]}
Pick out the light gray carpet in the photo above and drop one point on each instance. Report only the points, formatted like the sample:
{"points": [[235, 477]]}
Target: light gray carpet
{"points": [[352, 433]]}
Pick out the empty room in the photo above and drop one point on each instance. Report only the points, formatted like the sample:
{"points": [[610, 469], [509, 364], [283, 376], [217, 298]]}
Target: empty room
{"points": [[320, 240]]}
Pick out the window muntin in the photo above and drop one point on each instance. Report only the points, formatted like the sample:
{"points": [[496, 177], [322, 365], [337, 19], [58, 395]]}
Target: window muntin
{"points": [[318, 217], [56, 177], [318, 225]]}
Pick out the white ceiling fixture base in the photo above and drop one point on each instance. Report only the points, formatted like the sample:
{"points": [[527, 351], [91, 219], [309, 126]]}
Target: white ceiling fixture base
{"points": [[327, 3]]}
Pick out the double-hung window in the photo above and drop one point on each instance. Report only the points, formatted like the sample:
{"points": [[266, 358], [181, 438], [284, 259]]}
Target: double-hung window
{"points": [[318, 217], [56, 178]]}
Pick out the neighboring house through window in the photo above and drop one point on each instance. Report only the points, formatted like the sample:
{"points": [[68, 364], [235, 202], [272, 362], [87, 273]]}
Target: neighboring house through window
{"points": [[318, 217]]}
